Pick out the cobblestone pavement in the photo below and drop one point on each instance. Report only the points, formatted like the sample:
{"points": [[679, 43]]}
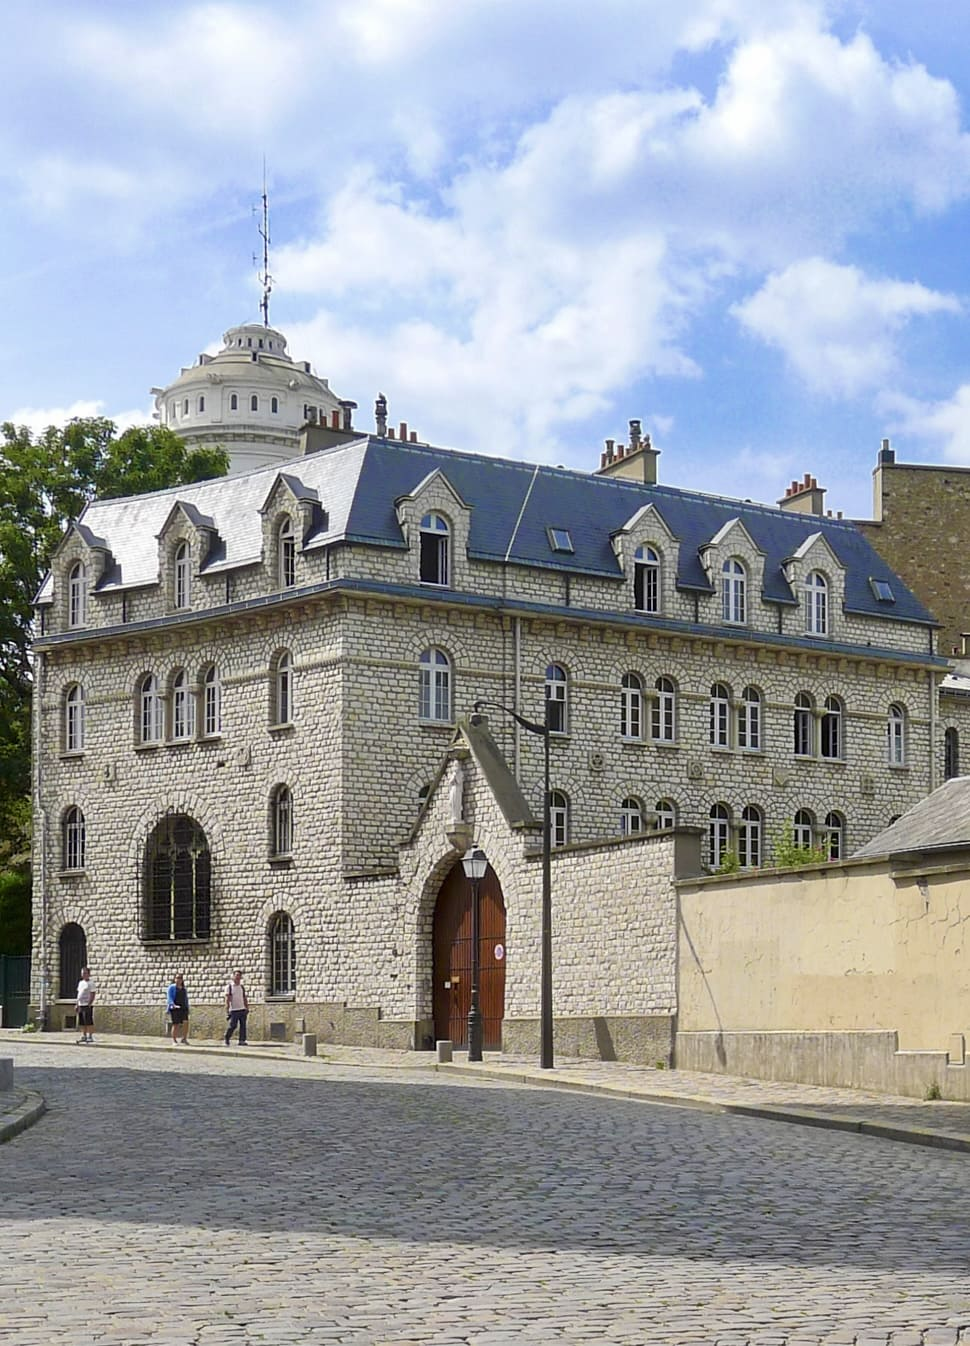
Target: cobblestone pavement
{"points": [[176, 1198]]}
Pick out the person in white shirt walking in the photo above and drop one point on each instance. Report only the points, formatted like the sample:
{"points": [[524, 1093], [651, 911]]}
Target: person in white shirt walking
{"points": [[85, 1007], [237, 1009]]}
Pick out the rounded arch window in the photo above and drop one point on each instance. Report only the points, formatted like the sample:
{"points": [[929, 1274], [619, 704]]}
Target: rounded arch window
{"points": [[646, 579], [233, 402], [286, 553], [734, 604], [558, 817], [666, 814], [254, 403], [182, 578], [434, 685], [804, 725], [72, 951], [835, 835], [631, 817], [631, 706], [183, 706], [720, 715], [951, 753], [211, 702], [749, 720], [750, 837], [74, 719], [896, 736], [831, 726], [150, 718], [718, 835], [435, 543], [281, 822], [282, 955], [76, 594], [663, 712], [282, 688], [177, 881], [816, 604], [557, 699], [803, 831], [73, 839]]}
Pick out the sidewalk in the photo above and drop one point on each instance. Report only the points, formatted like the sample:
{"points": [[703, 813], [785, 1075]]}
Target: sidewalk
{"points": [[940, 1124]]}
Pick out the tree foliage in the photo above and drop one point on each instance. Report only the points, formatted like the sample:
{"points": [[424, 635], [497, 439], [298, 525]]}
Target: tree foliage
{"points": [[45, 481]]}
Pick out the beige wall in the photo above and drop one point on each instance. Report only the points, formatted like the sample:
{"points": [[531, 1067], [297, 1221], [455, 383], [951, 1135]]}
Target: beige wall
{"points": [[832, 949]]}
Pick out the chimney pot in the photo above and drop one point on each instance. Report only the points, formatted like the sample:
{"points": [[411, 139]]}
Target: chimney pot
{"points": [[603, 459], [335, 419], [414, 436], [635, 435], [403, 430], [390, 433], [808, 479]]}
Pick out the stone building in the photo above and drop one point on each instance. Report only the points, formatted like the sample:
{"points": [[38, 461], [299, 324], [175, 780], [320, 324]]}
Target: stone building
{"points": [[249, 713], [251, 399]]}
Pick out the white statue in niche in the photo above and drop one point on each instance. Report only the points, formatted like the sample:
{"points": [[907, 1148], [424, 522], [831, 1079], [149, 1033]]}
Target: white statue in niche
{"points": [[456, 795]]}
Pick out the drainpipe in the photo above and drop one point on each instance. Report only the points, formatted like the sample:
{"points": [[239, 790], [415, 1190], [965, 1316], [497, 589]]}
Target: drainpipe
{"points": [[516, 691], [40, 819], [933, 781]]}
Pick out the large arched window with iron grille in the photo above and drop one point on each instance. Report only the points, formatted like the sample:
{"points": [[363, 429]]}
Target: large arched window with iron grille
{"points": [[282, 955], [177, 881], [72, 949]]}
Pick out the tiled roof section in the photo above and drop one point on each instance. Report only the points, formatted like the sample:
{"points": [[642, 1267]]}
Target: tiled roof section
{"points": [[512, 504], [941, 821]]}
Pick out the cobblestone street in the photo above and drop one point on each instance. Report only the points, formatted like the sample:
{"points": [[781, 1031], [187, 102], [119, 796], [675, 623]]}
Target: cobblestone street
{"points": [[223, 1200]]}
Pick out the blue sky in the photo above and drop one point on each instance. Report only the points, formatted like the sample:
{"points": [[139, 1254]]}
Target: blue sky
{"points": [[525, 221]]}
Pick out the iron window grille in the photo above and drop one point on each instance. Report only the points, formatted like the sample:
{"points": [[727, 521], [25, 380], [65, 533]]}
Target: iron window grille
{"points": [[177, 881]]}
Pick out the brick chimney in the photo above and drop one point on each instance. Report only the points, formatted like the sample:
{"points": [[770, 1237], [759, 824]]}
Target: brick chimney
{"points": [[636, 461], [804, 497]]}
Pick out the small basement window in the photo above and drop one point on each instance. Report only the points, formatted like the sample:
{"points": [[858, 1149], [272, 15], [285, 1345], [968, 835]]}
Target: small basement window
{"points": [[559, 539], [883, 590]]}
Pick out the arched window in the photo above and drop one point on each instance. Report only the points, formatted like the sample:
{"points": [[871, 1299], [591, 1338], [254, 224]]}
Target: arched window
{"points": [[211, 702], [816, 604], [233, 402], [434, 686], [896, 736], [282, 956], [558, 817], [76, 594], [74, 719], [831, 728], [434, 561], [663, 712], [749, 720], [803, 831], [631, 706], [646, 580], [150, 721], [202, 402], [720, 726], [666, 814], [835, 836], [183, 575], [804, 725], [254, 403], [177, 881], [185, 407], [72, 839], [631, 817], [750, 836], [951, 754], [72, 948], [718, 834], [183, 706], [281, 820], [557, 709], [733, 592], [274, 403], [286, 554], [282, 688]]}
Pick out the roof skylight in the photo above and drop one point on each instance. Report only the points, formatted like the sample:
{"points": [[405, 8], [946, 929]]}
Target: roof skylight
{"points": [[559, 539], [883, 590]]}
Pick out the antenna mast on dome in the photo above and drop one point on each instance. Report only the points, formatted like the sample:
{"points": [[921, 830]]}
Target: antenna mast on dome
{"points": [[265, 279]]}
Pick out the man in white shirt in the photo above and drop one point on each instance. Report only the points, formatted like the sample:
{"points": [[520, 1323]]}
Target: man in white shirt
{"points": [[237, 1009], [85, 1007]]}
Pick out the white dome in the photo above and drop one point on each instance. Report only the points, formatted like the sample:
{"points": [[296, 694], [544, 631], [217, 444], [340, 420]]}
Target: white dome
{"points": [[251, 399]]}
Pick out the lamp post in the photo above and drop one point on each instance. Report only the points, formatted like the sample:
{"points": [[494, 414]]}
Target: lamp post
{"points": [[474, 863], [545, 974]]}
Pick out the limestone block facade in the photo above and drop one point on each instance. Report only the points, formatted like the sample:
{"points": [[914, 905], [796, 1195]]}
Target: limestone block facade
{"points": [[248, 691]]}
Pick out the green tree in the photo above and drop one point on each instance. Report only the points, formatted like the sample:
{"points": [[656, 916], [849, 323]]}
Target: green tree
{"points": [[45, 481]]}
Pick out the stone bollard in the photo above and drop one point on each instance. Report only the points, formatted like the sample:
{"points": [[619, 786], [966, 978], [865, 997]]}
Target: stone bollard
{"points": [[444, 1049], [309, 1041], [6, 1072]]}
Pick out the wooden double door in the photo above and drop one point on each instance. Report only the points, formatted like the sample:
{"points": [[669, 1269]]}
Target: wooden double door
{"points": [[453, 958]]}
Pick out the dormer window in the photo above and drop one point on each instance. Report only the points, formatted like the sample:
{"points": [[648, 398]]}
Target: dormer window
{"points": [[816, 604], [183, 575], [286, 559], [435, 540], [733, 592], [646, 580], [560, 540], [76, 595]]}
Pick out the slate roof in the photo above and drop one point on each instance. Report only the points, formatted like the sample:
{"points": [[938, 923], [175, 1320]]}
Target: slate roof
{"points": [[941, 821], [512, 506]]}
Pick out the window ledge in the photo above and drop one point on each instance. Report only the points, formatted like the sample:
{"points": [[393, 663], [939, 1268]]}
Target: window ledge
{"points": [[670, 744], [72, 873], [752, 752], [179, 742], [284, 998], [804, 757], [436, 724], [71, 755], [434, 584], [632, 742], [211, 738], [833, 761], [166, 942], [151, 745], [280, 730], [281, 861], [720, 747], [898, 766]]}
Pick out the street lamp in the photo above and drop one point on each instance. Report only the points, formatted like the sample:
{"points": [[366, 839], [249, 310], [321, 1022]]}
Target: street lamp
{"points": [[474, 863], [545, 973]]}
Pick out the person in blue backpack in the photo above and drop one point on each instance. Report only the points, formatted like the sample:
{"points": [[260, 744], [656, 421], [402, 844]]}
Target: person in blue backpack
{"points": [[178, 1010]]}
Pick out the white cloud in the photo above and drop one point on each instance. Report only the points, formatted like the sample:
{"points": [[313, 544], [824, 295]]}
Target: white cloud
{"points": [[944, 425], [37, 419], [836, 327]]}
